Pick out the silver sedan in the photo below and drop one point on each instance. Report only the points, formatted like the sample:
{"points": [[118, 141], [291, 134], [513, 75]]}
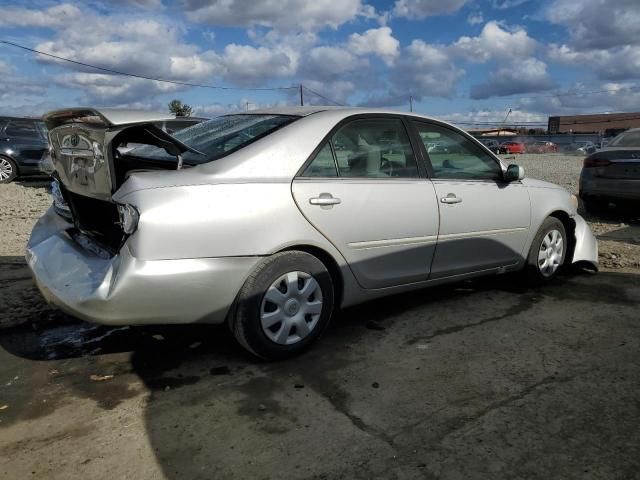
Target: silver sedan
{"points": [[270, 220]]}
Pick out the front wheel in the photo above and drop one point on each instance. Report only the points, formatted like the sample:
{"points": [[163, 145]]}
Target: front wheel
{"points": [[284, 305], [547, 252]]}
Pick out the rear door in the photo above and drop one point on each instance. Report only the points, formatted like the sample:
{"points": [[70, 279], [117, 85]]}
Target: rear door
{"points": [[484, 222], [364, 192]]}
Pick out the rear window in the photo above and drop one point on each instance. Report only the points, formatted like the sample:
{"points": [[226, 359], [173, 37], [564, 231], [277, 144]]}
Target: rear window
{"points": [[22, 128], [626, 139], [219, 137]]}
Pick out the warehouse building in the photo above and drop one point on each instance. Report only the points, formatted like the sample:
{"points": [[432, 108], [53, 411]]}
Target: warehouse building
{"points": [[605, 123]]}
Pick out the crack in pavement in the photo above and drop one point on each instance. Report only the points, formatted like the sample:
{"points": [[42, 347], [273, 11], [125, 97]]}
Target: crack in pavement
{"points": [[523, 305], [458, 424]]}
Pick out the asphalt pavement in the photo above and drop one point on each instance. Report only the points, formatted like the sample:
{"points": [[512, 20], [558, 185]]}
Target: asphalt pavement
{"points": [[482, 379]]}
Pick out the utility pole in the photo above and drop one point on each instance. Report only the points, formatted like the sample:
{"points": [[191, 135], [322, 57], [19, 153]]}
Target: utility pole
{"points": [[301, 97], [411, 103], [503, 122]]}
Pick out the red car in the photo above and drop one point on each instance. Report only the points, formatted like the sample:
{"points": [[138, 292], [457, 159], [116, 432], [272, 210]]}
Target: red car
{"points": [[542, 147], [512, 147]]}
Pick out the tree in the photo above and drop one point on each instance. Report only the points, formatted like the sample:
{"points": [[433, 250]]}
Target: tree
{"points": [[180, 109]]}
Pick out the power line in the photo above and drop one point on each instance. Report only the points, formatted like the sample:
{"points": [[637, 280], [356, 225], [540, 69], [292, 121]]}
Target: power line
{"points": [[126, 74], [323, 97]]}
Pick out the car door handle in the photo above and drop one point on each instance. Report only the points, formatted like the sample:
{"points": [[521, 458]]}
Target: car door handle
{"points": [[324, 200], [451, 198]]}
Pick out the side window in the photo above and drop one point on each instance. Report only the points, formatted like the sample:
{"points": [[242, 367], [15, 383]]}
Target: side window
{"points": [[454, 156], [322, 165], [376, 147], [21, 128]]}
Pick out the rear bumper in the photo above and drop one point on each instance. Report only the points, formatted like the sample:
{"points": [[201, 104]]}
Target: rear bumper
{"points": [[586, 249], [609, 187], [124, 290]]}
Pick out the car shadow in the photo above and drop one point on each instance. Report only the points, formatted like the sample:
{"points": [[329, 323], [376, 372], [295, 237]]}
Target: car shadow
{"points": [[36, 181], [195, 376]]}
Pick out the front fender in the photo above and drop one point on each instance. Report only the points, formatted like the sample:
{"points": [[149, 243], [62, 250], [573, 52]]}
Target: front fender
{"points": [[586, 249]]}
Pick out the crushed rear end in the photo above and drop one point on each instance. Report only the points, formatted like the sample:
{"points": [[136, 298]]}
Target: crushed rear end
{"points": [[79, 252]]}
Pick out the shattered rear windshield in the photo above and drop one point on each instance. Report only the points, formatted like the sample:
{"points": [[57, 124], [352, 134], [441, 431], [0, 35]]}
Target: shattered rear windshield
{"points": [[219, 137]]}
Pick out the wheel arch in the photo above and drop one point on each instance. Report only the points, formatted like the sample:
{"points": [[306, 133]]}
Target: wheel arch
{"points": [[329, 262], [570, 229]]}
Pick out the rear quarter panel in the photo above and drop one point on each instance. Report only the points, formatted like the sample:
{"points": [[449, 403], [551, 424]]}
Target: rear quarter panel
{"points": [[218, 220]]}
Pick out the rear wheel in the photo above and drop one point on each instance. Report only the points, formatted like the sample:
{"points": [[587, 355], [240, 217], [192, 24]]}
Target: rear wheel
{"points": [[547, 252], [284, 306], [8, 170]]}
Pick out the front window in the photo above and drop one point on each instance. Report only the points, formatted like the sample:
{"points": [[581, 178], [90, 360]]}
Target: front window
{"points": [[219, 137], [626, 139], [454, 156]]}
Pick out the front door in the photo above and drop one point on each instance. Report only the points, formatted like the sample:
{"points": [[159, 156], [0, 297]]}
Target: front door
{"points": [[484, 221], [363, 191]]}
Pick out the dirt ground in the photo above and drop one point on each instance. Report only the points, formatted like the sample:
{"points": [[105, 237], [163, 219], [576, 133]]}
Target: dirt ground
{"points": [[482, 379]]}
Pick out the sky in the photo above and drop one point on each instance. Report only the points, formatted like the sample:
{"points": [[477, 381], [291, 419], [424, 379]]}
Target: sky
{"points": [[460, 60]]}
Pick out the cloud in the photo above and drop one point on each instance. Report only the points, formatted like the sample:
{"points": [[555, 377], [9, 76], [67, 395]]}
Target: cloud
{"points": [[51, 17], [613, 97], [524, 76], [111, 90], [248, 65], [422, 70], [286, 15], [614, 64], [505, 4], [475, 18], [597, 24], [495, 42], [417, 9], [376, 41], [331, 63]]}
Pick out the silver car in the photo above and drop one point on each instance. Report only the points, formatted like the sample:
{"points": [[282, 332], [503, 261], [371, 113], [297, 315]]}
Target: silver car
{"points": [[613, 173], [270, 220]]}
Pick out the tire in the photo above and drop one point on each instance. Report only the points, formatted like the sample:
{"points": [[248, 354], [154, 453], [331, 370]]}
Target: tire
{"points": [[542, 268], [8, 170], [274, 318]]}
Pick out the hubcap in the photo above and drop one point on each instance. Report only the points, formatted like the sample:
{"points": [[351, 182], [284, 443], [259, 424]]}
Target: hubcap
{"points": [[6, 170], [291, 308], [550, 254]]}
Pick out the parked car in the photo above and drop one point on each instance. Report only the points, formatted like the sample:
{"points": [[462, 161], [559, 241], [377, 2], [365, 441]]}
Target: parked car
{"points": [[512, 147], [582, 147], [492, 145], [613, 173], [542, 147], [257, 221], [23, 148]]}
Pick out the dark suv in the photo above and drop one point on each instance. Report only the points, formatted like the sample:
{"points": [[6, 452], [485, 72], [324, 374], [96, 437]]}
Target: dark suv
{"points": [[24, 148]]}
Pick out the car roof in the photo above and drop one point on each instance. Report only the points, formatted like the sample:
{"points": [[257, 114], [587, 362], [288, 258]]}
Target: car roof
{"points": [[336, 113]]}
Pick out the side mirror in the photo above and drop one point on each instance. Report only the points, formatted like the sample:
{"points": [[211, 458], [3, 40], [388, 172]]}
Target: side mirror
{"points": [[514, 173]]}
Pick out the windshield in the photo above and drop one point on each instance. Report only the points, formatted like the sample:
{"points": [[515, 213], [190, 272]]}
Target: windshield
{"points": [[219, 137], [626, 139]]}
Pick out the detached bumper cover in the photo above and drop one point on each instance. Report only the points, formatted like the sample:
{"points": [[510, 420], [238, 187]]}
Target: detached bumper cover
{"points": [[124, 290], [586, 244]]}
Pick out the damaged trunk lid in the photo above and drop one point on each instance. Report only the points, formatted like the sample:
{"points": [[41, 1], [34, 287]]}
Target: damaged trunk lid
{"points": [[84, 145]]}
